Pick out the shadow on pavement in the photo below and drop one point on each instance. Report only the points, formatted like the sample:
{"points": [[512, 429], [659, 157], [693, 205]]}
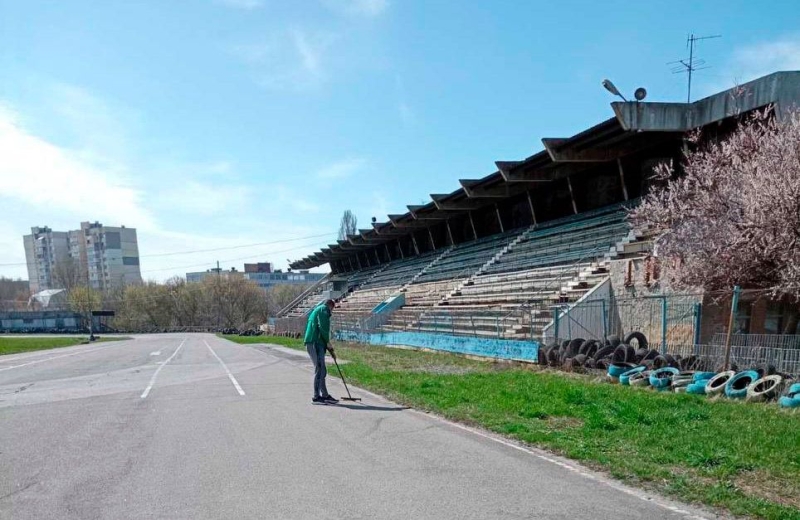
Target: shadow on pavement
{"points": [[372, 408]]}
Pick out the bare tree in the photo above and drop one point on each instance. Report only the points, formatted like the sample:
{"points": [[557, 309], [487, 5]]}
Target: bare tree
{"points": [[67, 274], [279, 296], [348, 225], [733, 216], [14, 294]]}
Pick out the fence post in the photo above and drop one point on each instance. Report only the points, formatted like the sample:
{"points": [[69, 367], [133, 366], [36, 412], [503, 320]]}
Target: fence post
{"points": [[555, 324], [497, 326], [698, 310], [569, 322], [663, 324], [734, 306], [530, 322], [472, 325], [605, 319]]}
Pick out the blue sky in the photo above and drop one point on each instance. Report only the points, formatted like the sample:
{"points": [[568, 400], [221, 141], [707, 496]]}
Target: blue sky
{"points": [[209, 124]]}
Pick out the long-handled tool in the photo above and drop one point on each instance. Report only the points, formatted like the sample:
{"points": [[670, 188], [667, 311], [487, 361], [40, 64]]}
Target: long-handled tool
{"points": [[349, 397]]}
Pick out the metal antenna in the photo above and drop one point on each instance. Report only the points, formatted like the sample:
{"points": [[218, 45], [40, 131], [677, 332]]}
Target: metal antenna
{"points": [[692, 64]]}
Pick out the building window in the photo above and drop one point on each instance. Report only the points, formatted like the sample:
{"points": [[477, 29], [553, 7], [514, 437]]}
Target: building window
{"points": [[773, 320], [743, 314]]}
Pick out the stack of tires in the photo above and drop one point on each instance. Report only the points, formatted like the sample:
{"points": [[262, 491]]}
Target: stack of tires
{"points": [[630, 351], [628, 361]]}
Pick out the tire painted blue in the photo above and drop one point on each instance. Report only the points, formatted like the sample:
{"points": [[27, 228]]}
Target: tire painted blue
{"points": [[662, 382], [616, 370], [698, 388], [741, 393], [624, 379], [789, 402], [795, 388], [703, 376]]}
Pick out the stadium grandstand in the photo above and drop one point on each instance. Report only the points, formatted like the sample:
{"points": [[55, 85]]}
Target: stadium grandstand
{"points": [[492, 258]]}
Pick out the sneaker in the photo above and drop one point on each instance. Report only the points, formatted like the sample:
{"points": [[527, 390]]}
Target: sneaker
{"points": [[317, 400], [329, 399]]}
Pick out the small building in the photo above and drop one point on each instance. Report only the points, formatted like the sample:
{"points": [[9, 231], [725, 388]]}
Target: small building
{"points": [[260, 267], [267, 280], [216, 271]]}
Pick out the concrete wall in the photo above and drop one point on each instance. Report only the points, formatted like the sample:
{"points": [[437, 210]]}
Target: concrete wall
{"points": [[492, 348]]}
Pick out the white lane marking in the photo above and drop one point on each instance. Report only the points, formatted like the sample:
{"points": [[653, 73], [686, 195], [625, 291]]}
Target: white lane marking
{"points": [[540, 454], [155, 374], [156, 353], [233, 379], [56, 357]]}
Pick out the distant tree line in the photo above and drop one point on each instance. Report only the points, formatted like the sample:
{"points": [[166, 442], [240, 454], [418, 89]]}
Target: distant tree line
{"points": [[215, 302]]}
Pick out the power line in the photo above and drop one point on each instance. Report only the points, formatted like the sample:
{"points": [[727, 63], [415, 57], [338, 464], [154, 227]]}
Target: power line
{"points": [[260, 255], [195, 251], [235, 247]]}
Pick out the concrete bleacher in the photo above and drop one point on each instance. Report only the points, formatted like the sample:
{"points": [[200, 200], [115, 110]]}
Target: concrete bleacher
{"points": [[465, 259], [513, 288], [383, 283], [571, 241], [313, 299], [400, 272], [501, 286]]}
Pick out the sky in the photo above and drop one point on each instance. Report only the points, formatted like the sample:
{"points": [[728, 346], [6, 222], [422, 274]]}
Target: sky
{"points": [[242, 129]]}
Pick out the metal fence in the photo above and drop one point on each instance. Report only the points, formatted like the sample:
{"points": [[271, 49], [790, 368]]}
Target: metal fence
{"points": [[663, 320]]}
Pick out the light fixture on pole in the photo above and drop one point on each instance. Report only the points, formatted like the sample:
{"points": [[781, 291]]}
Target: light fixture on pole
{"points": [[640, 93], [613, 89]]}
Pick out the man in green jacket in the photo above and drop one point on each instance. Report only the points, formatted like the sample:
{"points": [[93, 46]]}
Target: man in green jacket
{"points": [[317, 340]]}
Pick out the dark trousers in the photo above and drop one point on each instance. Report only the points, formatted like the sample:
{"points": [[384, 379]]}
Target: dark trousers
{"points": [[316, 351]]}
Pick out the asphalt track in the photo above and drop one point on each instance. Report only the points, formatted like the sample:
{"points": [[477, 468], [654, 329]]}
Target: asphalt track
{"points": [[194, 427]]}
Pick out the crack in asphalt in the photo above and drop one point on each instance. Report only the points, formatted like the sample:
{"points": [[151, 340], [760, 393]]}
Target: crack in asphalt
{"points": [[23, 388]]}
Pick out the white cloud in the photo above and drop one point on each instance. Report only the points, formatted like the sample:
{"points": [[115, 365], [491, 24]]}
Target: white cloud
{"points": [[291, 60], [40, 174], [174, 205], [753, 61], [369, 8], [310, 54], [341, 169], [247, 5]]}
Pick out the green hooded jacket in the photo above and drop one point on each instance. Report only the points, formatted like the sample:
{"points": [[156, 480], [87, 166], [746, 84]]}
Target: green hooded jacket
{"points": [[318, 329]]}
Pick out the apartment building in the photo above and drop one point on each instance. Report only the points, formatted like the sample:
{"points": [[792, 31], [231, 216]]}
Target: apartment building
{"points": [[44, 248], [104, 256]]}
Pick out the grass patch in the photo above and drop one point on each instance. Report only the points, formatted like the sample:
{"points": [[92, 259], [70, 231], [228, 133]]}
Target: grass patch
{"points": [[738, 456], [11, 345]]}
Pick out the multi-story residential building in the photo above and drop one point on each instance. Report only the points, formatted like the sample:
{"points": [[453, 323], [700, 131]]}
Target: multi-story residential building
{"points": [[44, 248], [108, 255], [103, 256]]}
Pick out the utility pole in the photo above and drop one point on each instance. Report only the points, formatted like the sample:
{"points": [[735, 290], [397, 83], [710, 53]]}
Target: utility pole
{"points": [[691, 65], [219, 308]]}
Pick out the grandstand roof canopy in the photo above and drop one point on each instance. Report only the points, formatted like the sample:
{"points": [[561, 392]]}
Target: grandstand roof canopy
{"points": [[635, 126]]}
